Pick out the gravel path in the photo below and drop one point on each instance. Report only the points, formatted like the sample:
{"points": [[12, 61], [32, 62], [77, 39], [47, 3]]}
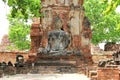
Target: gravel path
{"points": [[46, 77]]}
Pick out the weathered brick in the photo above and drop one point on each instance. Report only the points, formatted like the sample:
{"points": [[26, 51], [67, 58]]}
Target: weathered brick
{"points": [[7, 56], [108, 74]]}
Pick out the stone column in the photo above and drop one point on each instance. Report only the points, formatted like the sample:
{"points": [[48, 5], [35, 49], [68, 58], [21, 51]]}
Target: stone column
{"points": [[35, 35]]}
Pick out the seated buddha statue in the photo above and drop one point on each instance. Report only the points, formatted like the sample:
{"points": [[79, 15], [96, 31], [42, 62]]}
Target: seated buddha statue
{"points": [[58, 40]]}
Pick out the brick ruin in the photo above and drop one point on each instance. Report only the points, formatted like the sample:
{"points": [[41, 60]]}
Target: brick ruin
{"points": [[5, 42], [112, 46], [71, 13], [64, 21]]}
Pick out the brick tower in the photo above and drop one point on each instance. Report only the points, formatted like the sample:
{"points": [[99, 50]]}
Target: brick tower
{"points": [[71, 13]]}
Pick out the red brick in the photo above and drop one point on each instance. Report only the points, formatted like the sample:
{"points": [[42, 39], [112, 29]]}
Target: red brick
{"points": [[11, 56]]}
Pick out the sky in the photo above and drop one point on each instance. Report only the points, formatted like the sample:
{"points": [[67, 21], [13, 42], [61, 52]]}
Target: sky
{"points": [[118, 9], [4, 23]]}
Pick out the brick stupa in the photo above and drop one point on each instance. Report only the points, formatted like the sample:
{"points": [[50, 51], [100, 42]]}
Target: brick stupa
{"points": [[71, 12]]}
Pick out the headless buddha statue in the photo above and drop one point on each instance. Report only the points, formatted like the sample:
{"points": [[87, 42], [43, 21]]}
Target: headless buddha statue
{"points": [[58, 40]]}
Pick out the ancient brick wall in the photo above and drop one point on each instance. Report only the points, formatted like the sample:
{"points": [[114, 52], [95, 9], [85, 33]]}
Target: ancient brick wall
{"points": [[108, 74], [7, 56], [103, 55]]}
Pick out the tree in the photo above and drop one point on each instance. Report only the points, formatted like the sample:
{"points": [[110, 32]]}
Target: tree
{"points": [[21, 12], [24, 8], [18, 31], [105, 28]]}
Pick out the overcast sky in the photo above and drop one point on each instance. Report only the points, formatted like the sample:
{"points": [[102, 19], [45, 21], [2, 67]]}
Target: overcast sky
{"points": [[3, 19]]}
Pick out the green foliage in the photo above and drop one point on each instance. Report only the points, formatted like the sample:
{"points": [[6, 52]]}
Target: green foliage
{"points": [[18, 31], [24, 8], [11, 47], [105, 28], [21, 11], [112, 4]]}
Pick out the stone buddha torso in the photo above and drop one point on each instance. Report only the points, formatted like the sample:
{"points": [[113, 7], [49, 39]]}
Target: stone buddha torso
{"points": [[58, 40]]}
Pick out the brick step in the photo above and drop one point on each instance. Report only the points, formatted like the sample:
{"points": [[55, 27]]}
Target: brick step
{"points": [[53, 69], [55, 63]]}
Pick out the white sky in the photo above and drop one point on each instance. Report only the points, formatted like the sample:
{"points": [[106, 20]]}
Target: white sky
{"points": [[118, 9], [3, 19]]}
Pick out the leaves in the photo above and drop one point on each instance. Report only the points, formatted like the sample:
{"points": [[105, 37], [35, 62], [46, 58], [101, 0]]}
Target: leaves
{"points": [[21, 12], [26, 8], [18, 31], [112, 5], [105, 27], [10, 2]]}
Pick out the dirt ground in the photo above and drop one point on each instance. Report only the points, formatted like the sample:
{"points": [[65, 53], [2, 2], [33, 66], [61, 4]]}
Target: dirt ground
{"points": [[74, 76]]}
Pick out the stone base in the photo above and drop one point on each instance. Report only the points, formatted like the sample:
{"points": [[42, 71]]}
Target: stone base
{"points": [[52, 69]]}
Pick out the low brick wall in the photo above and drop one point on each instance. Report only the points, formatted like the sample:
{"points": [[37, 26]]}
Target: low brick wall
{"points": [[103, 55], [108, 74], [7, 56], [11, 56]]}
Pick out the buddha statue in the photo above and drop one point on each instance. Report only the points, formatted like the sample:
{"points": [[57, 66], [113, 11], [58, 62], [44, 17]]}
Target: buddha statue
{"points": [[58, 40]]}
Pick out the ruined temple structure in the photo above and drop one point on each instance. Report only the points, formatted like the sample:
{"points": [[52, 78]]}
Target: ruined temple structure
{"points": [[5, 42], [62, 33], [112, 46], [60, 43]]}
